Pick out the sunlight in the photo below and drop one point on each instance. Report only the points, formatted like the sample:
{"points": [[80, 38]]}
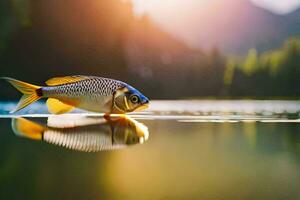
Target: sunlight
{"points": [[172, 15], [158, 8]]}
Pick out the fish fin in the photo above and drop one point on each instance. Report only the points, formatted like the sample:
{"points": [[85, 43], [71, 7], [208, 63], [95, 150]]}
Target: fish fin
{"points": [[30, 92], [55, 106], [28, 129], [65, 79]]}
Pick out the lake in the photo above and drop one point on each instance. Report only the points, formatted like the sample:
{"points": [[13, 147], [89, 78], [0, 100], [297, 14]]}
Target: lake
{"points": [[175, 150]]}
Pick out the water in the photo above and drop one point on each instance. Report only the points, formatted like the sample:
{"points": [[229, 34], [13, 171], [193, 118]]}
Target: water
{"points": [[194, 150]]}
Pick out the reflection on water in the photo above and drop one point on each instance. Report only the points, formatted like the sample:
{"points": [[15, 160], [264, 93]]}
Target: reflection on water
{"points": [[186, 157], [83, 133]]}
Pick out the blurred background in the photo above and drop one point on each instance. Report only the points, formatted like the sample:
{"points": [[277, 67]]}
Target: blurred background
{"points": [[168, 49]]}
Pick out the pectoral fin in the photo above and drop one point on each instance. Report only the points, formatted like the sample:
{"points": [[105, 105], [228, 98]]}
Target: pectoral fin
{"points": [[55, 106]]}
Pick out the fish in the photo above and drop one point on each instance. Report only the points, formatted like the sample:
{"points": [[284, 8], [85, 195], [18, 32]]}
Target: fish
{"points": [[91, 93], [94, 135]]}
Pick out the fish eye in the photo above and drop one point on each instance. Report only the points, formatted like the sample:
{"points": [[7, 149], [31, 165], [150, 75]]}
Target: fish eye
{"points": [[134, 98]]}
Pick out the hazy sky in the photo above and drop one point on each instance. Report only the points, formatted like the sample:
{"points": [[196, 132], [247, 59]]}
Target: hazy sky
{"points": [[278, 6], [154, 7], [176, 16]]}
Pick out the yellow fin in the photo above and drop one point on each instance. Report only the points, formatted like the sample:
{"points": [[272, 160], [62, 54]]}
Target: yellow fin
{"points": [[55, 106], [29, 92], [64, 80], [25, 128]]}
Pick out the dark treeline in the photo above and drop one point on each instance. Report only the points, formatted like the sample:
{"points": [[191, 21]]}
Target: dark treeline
{"points": [[273, 73], [42, 39]]}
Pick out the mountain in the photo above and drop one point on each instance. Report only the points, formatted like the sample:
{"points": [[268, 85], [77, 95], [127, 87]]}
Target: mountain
{"points": [[234, 26], [148, 46], [157, 60]]}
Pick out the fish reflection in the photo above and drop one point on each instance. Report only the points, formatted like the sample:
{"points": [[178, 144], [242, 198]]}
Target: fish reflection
{"points": [[89, 134]]}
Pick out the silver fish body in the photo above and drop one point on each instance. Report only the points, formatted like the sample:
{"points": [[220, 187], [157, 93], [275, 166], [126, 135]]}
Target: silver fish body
{"points": [[93, 94], [90, 93]]}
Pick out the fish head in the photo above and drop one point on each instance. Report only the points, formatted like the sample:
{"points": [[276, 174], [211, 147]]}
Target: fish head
{"points": [[129, 99], [129, 131]]}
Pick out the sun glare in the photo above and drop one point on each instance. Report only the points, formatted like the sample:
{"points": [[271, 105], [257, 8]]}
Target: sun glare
{"points": [[158, 8]]}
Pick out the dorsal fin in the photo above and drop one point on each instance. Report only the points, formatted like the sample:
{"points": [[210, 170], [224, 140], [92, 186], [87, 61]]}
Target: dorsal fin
{"points": [[55, 106], [64, 80]]}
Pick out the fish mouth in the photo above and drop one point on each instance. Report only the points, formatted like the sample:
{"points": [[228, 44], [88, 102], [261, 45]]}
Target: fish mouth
{"points": [[143, 106]]}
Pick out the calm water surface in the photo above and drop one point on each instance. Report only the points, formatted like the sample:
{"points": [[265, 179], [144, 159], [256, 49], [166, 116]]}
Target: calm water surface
{"points": [[193, 150]]}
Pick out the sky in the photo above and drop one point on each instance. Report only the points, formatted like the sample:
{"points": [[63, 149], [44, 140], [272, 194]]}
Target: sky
{"points": [[278, 6], [156, 7]]}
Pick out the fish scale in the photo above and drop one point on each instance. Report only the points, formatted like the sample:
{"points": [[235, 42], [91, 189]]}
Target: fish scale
{"points": [[92, 86], [93, 94]]}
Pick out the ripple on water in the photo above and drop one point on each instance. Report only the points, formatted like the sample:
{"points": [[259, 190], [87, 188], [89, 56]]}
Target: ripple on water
{"points": [[191, 111]]}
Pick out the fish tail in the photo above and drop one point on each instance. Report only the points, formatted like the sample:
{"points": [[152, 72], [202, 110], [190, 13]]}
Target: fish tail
{"points": [[28, 129], [31, 93]]}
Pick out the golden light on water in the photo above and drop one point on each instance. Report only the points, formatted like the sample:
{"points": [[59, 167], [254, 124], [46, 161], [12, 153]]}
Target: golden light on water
{"points": [[143, 171]]}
